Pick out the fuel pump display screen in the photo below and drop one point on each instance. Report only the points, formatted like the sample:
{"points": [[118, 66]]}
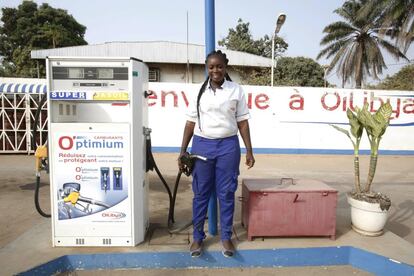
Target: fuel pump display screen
{"points": [[90, 73], [75, 73], [105, 73]]}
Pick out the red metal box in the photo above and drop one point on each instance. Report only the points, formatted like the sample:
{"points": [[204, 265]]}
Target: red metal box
{"points": [[288, 207]]}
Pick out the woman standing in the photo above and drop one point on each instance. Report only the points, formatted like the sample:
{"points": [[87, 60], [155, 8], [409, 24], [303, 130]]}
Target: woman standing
{"points": [[213, 121]]}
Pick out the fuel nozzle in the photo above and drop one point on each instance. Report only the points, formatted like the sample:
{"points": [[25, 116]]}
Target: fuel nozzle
{"points": [[70, 193], [117, 173], [41, 159], [105, 179], [188, 161]]}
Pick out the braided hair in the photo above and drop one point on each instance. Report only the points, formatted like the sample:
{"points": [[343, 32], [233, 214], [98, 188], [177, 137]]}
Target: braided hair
{"points": [[222, 56]]}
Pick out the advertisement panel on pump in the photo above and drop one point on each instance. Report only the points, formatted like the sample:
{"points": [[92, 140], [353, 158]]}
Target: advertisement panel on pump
{"points": [[92, 180]]}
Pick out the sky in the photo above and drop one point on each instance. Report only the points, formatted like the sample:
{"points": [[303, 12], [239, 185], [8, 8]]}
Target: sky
{"points": [[166, 20]]}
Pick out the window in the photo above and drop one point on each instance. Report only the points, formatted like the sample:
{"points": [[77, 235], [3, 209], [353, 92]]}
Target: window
{"points": [[154, 74]]}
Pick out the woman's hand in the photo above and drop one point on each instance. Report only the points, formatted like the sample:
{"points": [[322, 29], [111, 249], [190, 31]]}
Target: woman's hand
{"points": [[249, 159], [180, 164], [245, 133], [188, 133]]}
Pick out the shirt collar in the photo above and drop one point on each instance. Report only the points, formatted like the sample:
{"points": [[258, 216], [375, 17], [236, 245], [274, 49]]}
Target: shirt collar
{"points": [[221, 87]]}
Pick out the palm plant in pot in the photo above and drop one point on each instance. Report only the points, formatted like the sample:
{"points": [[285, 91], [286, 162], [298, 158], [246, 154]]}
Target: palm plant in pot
{"points": [[368, 208]]}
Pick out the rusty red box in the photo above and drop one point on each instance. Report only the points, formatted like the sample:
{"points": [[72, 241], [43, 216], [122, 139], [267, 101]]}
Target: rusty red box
{"points": [[288, 207]]}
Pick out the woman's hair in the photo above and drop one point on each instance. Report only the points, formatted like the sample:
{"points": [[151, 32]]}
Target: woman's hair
{"points": [[218, 54]]}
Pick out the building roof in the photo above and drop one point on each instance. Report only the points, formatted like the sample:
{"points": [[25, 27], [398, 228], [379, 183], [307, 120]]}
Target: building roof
{"points": [[153, 52]]}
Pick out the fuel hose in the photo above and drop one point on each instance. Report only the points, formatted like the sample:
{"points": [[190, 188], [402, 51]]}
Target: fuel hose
{"points": [[36, 199], [34, 135], [173, 227]]}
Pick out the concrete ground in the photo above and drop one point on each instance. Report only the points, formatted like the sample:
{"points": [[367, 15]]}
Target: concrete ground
{"points": [[25, 236]]}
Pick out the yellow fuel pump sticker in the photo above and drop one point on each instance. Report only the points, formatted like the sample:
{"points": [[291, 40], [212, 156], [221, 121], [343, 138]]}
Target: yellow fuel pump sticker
{"points": [[111, 96]]}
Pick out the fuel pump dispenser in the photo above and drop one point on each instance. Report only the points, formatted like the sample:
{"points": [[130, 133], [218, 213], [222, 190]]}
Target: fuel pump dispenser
{"points": [[97, 150]]}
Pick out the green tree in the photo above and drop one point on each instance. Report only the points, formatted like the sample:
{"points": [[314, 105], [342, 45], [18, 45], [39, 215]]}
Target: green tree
{"points": [[240, 39], [256, 76], [396, 18], [402, 80], [30, 27], [355, 44], [299, 71], [290, 71]]}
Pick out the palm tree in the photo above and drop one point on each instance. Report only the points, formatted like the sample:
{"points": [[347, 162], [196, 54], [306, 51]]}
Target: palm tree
{"points": [[396, 17], [355, 45]]}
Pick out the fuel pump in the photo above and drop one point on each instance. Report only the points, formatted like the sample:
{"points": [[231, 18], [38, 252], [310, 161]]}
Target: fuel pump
{"points": [[97, 123], [98, 135]]}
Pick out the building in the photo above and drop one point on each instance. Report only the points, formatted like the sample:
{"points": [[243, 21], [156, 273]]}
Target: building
{"points": [[167, 61]]}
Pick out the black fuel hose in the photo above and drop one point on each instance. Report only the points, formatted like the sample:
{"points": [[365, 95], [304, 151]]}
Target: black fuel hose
{"points": [[34, 134], [36, 199], [151, 164]]}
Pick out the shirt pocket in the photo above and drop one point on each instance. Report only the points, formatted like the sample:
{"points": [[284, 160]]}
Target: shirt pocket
{"points": [[229, 107]]}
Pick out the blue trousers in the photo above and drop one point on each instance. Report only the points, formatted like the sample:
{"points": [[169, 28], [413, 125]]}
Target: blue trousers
{"points": [[219, 172]]}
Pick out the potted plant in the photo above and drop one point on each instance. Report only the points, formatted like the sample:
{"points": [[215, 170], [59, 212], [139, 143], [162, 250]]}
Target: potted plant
{"points": [[368, 208]]}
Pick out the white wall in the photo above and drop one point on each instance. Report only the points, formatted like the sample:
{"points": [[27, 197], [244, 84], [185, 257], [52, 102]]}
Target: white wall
{"points": [[284, 119], [289, 119]]}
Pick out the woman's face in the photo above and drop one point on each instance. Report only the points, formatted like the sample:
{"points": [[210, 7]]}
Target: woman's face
{"points": [[216, 69]]}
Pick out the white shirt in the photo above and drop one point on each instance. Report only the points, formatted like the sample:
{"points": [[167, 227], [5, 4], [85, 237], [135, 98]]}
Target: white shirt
{"points": [[219, 111]]}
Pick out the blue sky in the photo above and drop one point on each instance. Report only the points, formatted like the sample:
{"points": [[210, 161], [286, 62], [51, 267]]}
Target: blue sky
{"points": [[128, 20]]}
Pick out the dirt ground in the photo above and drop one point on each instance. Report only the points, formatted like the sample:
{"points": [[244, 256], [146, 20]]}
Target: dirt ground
{"points": [[395, 177]]}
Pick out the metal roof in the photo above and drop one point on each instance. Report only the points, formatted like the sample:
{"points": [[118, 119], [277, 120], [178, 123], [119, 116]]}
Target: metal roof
{"points": [[154, 52]]}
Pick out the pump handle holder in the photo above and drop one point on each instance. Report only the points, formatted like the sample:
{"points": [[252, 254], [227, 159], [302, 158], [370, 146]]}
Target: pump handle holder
{"points": [[148, 93]]}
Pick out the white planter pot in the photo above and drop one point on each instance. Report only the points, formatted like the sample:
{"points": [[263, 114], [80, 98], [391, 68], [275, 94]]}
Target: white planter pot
{"points": [[367, 218]]}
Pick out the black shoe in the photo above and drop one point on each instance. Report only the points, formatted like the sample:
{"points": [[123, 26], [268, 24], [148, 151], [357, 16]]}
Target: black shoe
{"points": [[228, 248], [196, 249]]}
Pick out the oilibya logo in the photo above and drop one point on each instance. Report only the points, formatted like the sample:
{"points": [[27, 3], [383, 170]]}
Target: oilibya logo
{"points": [[114, 215], [68, 143]]}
